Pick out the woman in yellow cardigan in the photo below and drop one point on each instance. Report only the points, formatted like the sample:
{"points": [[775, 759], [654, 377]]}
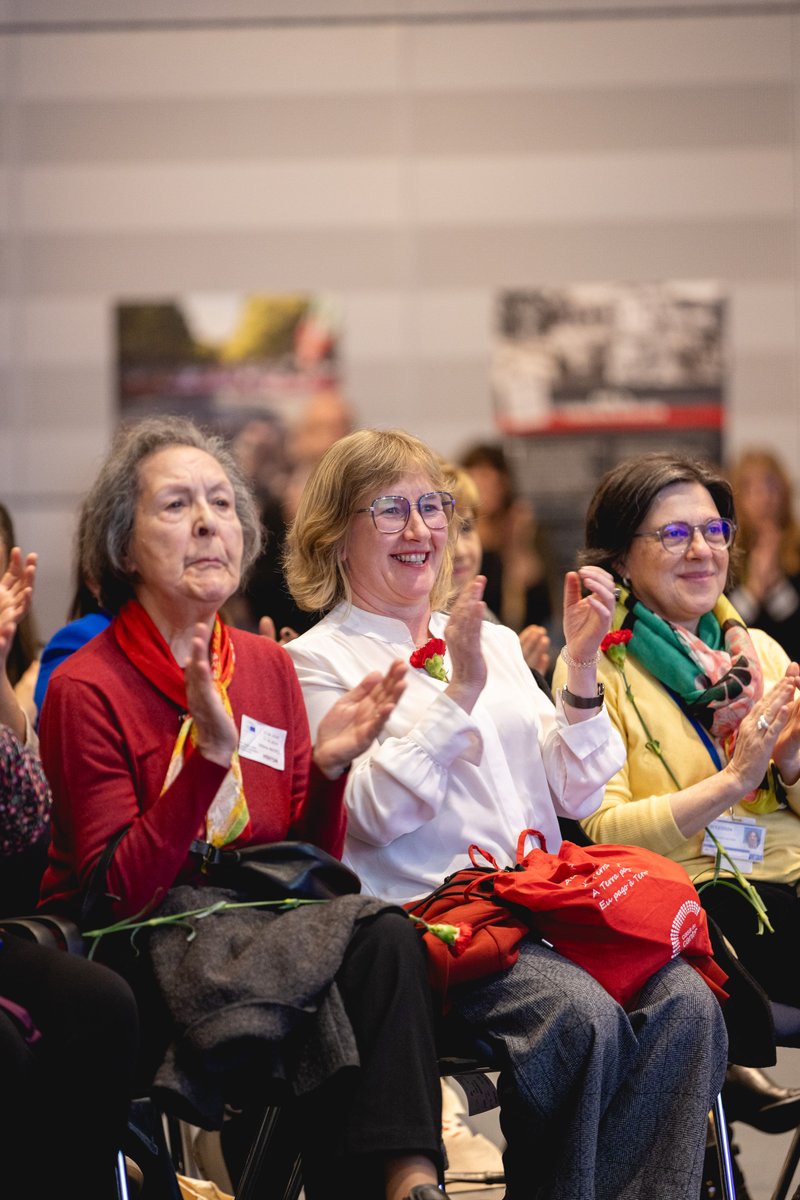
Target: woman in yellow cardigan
{"points": [[708, 709]]}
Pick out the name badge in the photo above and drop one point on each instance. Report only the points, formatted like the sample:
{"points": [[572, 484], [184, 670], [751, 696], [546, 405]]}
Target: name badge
{"points": [[262, 743], [742, 838]]}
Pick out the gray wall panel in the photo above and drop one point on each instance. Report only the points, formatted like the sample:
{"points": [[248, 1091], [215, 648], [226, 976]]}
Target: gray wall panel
{"points": [[756, 249], [138, 264], [562, 120], [177, 129]]}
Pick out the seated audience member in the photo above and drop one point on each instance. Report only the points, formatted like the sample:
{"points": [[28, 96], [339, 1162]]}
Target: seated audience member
{"points": [[68, 1027], [194, 737], [720, 702], [767, 594], [23, 658], [85, 618], [595, 1101], [514, 562]]}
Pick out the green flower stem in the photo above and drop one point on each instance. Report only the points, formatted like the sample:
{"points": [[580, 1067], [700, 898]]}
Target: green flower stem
{"points": [[742, 884], [132, 924], [652, 744]]}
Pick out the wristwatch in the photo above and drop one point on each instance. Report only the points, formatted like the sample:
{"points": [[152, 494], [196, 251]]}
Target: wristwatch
{"points": [[584, 701]]}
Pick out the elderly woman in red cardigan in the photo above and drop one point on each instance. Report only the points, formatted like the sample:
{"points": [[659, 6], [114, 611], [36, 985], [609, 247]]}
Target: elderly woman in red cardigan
{"points": [[169, 733]]}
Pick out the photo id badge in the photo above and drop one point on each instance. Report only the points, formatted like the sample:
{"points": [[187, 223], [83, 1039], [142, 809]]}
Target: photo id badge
{"points": [[262, 743], [742, 838]]}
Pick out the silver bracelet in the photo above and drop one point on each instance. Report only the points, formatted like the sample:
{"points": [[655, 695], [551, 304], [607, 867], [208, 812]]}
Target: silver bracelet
{"points": [[577, 662]]}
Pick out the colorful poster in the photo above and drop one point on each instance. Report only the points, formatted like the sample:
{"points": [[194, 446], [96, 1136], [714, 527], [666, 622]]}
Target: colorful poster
{"points": [[214, 356]]}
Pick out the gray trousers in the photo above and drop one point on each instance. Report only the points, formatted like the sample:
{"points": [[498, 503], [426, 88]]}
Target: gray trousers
{"points": [[598, 1103]]}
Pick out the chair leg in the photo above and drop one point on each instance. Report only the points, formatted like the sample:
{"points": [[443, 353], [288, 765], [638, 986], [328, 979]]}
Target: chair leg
{"points": [[723, 1150], [251, 1182], [121, 1176], [788, 1169]]}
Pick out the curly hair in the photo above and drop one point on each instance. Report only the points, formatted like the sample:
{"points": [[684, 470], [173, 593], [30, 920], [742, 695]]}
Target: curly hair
{"points": [[109, 510]]}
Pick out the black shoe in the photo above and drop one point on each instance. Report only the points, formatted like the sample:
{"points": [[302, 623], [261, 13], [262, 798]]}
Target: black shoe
{"points": [[750, 1095], [426, 1191]]}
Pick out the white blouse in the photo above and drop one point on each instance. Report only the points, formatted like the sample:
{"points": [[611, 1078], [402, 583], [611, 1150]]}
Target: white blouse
{"points": [[438, 779]]}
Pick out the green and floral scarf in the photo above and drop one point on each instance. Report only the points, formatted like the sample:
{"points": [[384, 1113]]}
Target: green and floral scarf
{"points": [[715, 675]]}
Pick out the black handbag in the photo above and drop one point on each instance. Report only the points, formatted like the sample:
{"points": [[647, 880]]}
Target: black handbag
{"points": [[277, 871]]}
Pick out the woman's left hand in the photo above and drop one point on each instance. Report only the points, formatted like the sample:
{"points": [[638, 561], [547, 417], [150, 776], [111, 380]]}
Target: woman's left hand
{"points": [[587, 618], [786, 754], [357, 718]]}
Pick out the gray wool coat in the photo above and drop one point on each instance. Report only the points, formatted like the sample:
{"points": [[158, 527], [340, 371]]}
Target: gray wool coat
{"points": [[251, 992]]}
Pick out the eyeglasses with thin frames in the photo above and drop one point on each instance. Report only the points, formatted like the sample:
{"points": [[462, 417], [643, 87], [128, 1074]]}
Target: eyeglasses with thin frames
{"points": [[677, 536], [391, 514]]}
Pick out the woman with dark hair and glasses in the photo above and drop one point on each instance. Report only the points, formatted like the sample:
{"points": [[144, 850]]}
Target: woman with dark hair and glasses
{"points": [[708, 710]]}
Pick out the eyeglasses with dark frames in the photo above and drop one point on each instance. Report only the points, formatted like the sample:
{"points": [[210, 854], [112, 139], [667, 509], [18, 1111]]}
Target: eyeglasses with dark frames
{"points": [[391, 514], [677, 536]]}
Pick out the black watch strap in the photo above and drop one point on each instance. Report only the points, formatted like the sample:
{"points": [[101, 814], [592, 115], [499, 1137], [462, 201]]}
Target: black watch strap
{"points": [[584, 701]]}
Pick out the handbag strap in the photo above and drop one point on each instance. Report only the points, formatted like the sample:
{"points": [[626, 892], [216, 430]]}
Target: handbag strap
{"points": [[96, 891], [473, 850], [522, 839]]}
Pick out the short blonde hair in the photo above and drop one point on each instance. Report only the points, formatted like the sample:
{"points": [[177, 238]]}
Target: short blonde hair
{"points": [[354, 471]]}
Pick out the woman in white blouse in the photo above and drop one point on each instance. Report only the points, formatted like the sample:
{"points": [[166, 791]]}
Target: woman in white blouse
{"points": [[596, 1103]]}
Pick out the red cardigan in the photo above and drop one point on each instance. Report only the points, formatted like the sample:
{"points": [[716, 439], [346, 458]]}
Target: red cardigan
{"points": [[106, 738]]}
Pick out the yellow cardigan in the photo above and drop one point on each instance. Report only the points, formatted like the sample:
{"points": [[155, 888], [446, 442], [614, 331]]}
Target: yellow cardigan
{"points": [[636, 809]]}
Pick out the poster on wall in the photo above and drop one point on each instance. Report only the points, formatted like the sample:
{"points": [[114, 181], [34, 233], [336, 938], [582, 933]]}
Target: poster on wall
{"points": [[609, 356], [218, 356]]}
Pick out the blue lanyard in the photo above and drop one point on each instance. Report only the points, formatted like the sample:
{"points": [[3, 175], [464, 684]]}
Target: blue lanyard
{"points": [[699, 730]]}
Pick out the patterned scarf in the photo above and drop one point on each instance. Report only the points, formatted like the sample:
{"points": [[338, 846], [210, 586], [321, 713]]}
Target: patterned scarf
{"points": [[142, 643], [715, 674]]}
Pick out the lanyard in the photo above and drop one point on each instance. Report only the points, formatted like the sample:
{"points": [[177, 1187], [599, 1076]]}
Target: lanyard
{"points": [[699, 730]]}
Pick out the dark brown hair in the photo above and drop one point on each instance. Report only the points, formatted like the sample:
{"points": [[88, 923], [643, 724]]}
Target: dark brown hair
{"points": [[625, 494]]}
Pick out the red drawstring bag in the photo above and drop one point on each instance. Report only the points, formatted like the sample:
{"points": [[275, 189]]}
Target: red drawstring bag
{"points": [[620, 912], [465, 898]]}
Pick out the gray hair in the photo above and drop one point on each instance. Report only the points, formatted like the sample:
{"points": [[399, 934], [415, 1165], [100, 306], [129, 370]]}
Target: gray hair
{"points": [[109, 510]]}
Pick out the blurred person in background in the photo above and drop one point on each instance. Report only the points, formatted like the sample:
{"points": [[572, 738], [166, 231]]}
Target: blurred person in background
{"points": [[517, 587], [467, 558], [767, 594]]}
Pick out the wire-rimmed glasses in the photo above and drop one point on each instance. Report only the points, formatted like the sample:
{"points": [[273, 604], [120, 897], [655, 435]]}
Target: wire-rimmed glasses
{"points": [[677, 536], [391, 514]]}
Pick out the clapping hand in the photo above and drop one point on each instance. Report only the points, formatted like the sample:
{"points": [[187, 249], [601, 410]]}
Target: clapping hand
{"points": [[587, 618], [215, 730], [16, 589], [786, 752], [463, 634], [356, 719], [535, 643]]}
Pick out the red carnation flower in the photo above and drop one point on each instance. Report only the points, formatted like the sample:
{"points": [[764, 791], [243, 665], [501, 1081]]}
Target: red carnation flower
{"points": [[430, 658], [614, 645]]}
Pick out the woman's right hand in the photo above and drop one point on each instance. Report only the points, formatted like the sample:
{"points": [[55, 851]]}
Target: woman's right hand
{"points": [[215, 729], [463, 637]]}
